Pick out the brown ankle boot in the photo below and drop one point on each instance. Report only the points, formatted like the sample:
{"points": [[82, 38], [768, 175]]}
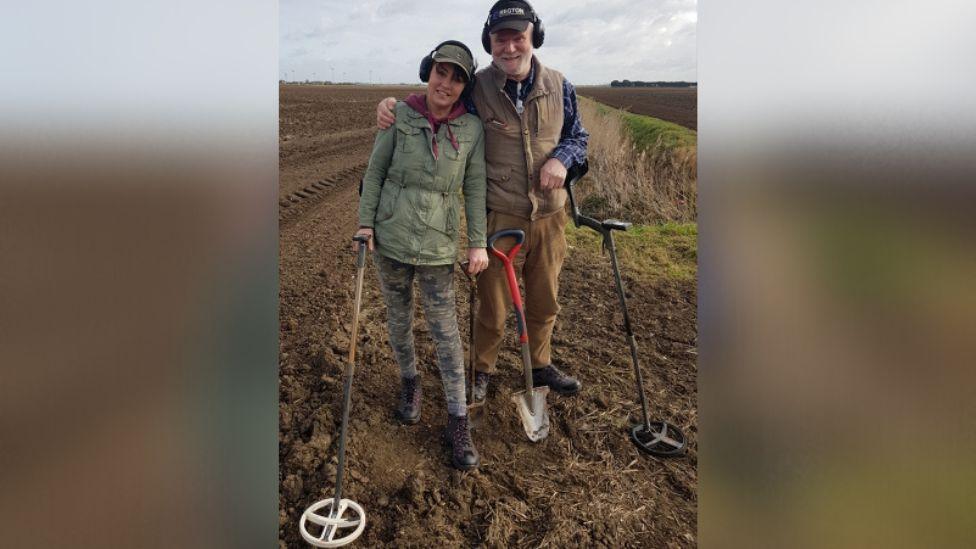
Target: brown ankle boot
{"points": [[464, 456], [408, 409]]}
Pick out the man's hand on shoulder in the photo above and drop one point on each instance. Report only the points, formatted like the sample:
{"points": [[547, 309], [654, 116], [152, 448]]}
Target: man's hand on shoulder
{"points": [[552, 175], [384, 113]]}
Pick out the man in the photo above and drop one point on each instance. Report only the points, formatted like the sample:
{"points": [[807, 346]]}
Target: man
{"points": [[533, 134]]}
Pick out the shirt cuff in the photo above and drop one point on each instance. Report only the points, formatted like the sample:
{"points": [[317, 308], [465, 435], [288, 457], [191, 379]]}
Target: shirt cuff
{"points": [[564, 156]]}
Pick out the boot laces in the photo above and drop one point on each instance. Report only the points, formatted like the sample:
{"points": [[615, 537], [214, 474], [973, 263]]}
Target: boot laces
{"points": [[408, 391], [462, 435]]}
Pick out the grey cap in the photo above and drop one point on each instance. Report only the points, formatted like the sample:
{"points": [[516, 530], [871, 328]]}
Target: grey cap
{"points": [[450, 53]]}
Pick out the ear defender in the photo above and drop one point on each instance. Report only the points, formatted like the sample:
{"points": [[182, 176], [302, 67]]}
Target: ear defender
{"points": [[485, 41], [426, 64], [538, 31]]}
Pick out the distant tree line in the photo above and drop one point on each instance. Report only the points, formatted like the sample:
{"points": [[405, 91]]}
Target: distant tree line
{"points": [[642, 84]]}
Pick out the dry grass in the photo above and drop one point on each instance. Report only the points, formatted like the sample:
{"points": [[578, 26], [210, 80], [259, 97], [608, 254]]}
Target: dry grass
{"points": [[650, 184]]}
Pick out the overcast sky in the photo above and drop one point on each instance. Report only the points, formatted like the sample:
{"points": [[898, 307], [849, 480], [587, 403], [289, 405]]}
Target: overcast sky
{"points": [[591, 42]]}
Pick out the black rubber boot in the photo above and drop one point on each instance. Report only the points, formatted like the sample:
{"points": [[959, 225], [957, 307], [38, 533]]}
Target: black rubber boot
{"points": [[464, 456], [556, 380], [408, 409], [480, 386]]}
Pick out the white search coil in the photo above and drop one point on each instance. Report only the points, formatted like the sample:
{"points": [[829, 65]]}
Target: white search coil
{"points": [[331, 525]]}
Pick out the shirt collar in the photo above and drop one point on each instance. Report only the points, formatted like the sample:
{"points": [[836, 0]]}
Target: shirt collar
{"points": [[510, 85]]}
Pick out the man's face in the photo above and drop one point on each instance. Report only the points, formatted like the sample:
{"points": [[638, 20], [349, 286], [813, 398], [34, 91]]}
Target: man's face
{"points": [[512, 51]]}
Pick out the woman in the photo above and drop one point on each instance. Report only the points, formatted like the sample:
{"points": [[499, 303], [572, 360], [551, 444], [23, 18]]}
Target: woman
{"points": [[410, 207]]}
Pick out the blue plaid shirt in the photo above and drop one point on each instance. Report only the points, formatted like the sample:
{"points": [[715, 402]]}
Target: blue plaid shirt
{"points": [[573, 137]]}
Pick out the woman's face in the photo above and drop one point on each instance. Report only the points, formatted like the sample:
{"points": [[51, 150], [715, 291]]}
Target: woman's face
{"points": [[445, 85]]}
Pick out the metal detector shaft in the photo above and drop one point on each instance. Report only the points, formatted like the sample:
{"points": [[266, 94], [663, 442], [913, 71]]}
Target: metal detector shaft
{"points": [[472, 295], [346, 398], [475, 409], [350, 366], [608, 241]]}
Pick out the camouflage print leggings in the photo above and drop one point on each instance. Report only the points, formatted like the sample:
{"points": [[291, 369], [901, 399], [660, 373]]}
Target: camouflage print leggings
{"points": [[437, 296]]}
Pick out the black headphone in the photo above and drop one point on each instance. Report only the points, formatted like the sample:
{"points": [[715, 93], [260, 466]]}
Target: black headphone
{"points": [[427, 64], [538, 29]]}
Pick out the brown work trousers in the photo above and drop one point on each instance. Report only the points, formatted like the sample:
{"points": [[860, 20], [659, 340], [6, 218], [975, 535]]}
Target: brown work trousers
{"points": [[539, 262]]}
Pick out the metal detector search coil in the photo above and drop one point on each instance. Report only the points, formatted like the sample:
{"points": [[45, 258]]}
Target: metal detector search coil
{"points": [[663, 439], [331, 526]]}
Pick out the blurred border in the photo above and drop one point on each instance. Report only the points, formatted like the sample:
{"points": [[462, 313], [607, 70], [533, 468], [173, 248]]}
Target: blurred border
{"points": [[138, 387], [836, 269]]}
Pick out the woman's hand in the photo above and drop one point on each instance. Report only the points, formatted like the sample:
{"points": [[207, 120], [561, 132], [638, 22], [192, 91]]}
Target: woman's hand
{"points": [[369, 243], [477, 260]]}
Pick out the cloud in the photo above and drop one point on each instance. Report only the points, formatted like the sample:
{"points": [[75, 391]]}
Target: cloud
{"points": [[592, 42]]}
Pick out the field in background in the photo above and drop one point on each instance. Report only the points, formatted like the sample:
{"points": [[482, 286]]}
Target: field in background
{"points": [[678, 105]]}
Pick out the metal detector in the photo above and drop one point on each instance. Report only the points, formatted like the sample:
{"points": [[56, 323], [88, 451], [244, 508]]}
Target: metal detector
{"points": [[658, 438], [328, 513], [476, 408]]}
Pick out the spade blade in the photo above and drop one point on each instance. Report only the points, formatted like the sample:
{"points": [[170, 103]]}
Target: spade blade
{"points": [[533, 412]]}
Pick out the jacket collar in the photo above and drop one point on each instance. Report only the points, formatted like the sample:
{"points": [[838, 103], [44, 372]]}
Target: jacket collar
{"points": [[418, 120]]}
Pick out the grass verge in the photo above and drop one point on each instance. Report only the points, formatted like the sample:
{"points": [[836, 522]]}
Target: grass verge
{"points": [[650, 253], [649, 133]]}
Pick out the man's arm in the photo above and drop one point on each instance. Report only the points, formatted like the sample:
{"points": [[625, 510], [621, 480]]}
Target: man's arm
{"points": [[573, 140]]}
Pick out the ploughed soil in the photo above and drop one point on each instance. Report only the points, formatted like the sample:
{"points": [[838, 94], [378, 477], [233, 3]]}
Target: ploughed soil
{"points": [[585, 485], [678, 105]]}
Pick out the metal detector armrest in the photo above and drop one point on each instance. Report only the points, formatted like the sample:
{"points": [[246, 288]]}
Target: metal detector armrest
{"points": [[616, 225], [575, 173], [582, 220]]}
